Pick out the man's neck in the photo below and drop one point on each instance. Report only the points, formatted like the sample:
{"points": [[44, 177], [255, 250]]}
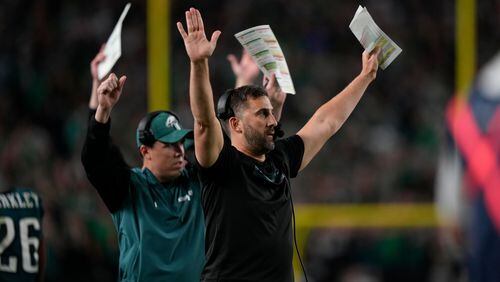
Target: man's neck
{"points": [[246, 151], [162, 180]]}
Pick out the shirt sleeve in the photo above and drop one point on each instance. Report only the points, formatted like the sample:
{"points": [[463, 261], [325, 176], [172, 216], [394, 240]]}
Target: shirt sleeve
{"points": [[223, 164], [292, 149], [104, 164], [91, 114]]}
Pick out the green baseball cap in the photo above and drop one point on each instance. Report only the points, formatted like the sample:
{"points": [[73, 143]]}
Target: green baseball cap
{"points": [[166, 128]]}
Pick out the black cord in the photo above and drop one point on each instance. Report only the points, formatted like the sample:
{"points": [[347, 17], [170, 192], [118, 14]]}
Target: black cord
{"points": [[295, 235]]}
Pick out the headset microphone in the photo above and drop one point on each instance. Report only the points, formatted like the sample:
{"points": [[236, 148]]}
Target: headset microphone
{"points": [[278, 132]]}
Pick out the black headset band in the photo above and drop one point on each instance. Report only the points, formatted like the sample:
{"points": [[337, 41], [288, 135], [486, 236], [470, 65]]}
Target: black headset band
{"points": [[224, 110]]}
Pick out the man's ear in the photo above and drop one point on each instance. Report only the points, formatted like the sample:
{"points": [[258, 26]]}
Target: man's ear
{"points": [[235, 124], [144, 150]]}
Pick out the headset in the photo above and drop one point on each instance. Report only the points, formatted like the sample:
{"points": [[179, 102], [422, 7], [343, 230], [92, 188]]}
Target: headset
{"points": [[224, 112], [146, 136]]}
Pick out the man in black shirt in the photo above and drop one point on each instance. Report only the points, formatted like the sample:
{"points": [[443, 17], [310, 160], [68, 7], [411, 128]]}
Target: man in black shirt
{"points": [[245, 181]]}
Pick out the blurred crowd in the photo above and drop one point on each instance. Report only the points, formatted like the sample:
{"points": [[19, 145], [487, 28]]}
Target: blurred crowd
{"points": [[386, 152]]}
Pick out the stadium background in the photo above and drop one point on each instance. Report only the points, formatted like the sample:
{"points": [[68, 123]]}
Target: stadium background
{"points": [[386, 153]]}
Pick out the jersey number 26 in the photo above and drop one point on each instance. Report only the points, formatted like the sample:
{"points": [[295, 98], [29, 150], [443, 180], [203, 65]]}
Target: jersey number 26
{"points": [[29, 245]]}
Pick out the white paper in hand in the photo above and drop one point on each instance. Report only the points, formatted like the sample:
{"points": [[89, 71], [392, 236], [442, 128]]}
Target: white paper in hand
{"points": [[113, 49], [265, 50], [370, 35]]}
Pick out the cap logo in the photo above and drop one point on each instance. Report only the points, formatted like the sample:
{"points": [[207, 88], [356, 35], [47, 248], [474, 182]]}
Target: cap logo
{"points": [[172, 122]]}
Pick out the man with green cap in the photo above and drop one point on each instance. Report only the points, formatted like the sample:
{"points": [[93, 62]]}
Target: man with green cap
{"points": [[156, 209]]}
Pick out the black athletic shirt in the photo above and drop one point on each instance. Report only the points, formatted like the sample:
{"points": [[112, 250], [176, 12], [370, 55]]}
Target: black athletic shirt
{"points": [[248, 214]]}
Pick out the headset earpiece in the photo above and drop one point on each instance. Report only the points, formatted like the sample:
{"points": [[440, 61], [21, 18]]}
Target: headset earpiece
{"points": [[224, 111]]}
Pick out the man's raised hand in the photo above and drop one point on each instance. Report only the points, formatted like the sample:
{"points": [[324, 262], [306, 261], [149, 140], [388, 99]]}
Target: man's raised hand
{"points": [[95, 62], [109, 91], [245, 70], [273, 89], [93, 103], [275, 94], [370, 64], [198, 47]]}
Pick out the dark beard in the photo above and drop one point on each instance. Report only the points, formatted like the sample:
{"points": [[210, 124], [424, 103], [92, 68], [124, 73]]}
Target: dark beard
{"points": [[259, 144]]}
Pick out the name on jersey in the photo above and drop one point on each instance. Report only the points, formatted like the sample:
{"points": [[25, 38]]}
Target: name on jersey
{"points": [[19, 200]]}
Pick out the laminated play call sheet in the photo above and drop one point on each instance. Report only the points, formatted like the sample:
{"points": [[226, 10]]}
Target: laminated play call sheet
{"points": [[370, 35], [265, 50]]}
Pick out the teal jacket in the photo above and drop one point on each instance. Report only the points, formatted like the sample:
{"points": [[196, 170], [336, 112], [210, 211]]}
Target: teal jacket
{"points": [[160, 226]]}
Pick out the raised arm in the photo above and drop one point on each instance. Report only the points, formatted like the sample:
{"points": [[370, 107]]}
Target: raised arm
{"points": [[95, 78], [207, 129], [328, 119], [103, 162]]}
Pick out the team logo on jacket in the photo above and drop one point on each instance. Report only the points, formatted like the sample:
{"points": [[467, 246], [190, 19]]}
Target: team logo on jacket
{"points": [[186, 197]]}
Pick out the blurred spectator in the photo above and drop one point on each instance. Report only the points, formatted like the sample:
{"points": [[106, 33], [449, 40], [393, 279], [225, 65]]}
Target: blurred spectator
{"points": [[474, 125]]}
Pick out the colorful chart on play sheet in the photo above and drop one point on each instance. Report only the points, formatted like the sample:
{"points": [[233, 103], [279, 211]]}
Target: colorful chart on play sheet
{"points": [[264, 48], [370, 35]]}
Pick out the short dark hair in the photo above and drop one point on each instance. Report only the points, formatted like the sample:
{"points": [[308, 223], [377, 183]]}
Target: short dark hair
{"points": [[241, 94]]}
